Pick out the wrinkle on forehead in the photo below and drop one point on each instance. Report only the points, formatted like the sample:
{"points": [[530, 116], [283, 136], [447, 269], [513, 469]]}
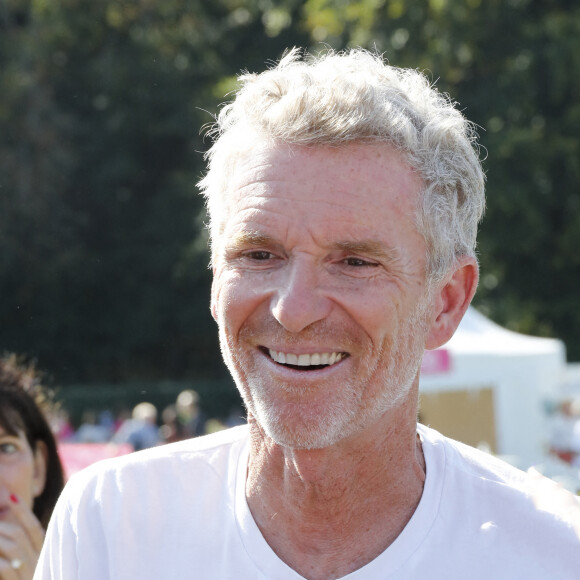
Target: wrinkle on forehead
{"points": [[259, 165]]}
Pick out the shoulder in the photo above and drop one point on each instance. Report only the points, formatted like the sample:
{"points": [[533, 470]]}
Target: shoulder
{"points": [[161, 469], [468, 462], [487, 487], [162, 501]]}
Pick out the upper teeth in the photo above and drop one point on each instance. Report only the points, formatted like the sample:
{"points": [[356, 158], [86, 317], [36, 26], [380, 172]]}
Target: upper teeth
{"points": [[306, 360]]}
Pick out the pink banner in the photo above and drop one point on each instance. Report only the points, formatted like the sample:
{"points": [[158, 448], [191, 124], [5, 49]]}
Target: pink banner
{"points": [[77, 456], [436, 362]]}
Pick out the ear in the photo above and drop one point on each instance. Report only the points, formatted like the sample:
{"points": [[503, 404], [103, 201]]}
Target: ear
{"points": [[213, 300], [451, 301], [40, 465]]}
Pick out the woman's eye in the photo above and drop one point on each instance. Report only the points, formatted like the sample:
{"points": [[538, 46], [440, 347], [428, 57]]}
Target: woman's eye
{"points": [[8, 448]]}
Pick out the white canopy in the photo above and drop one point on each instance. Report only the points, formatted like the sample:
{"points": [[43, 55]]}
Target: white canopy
{"points": [[516, 373]]}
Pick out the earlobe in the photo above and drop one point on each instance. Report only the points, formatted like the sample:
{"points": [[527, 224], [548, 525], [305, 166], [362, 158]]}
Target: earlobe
{"points": [[452, 300], [40, 466], [214, 290], [213, 300]]}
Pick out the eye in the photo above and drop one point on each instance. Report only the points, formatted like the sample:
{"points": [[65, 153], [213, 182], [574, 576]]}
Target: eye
{"points": [[360, 263], [259, 255], [8, 448]]}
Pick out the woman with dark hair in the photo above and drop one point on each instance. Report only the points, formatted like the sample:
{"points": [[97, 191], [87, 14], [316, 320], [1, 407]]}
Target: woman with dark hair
{"points": [[31, 474]]}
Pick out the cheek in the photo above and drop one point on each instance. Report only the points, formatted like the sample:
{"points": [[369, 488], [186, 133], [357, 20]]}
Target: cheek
{"points": [[377, 316], [385, 325], [233, 302], [17, 478]]}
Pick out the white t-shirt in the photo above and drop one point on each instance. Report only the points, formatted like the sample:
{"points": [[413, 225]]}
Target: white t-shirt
{"points": [[179, 512]]}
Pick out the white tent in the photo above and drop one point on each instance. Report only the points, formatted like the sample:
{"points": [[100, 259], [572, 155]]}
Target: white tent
{"points": [[488, 386]]}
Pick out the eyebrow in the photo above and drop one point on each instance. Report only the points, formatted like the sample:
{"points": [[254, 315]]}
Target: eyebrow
{"points": [[370, 248], [247, 239]]}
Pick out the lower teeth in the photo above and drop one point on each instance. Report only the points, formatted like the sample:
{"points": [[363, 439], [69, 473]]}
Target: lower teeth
{"points": [[304, 368]]}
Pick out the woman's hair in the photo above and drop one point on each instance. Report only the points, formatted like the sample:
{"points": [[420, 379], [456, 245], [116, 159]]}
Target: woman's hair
{"points": [[339, 98], [23, 402]]}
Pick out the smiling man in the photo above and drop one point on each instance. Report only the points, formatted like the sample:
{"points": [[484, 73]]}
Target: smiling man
{"points": [[319, 293], [344, 196]]}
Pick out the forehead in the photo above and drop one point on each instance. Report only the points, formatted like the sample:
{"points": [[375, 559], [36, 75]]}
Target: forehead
{"points": [[361, 164], [360, 187]]}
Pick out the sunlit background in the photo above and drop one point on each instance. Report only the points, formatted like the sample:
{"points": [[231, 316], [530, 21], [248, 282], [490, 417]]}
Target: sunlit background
{"points": [[103, 261]]}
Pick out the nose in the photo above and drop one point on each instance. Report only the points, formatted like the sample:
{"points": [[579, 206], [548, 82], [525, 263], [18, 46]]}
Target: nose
{"points": [[300, 300]]}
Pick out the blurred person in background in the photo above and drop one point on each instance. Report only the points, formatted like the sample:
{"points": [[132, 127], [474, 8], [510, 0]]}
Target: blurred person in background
{"points": [[90, 430], [141, 430], [565, 432], [189, 414], [170, 430], [31, 474]]}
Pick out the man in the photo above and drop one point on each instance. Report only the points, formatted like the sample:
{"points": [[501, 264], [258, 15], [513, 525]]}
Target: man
{"points": [[344, 197], [140, 431]]}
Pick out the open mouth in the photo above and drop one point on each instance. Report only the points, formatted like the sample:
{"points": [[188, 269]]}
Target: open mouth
{"points": [[306, 362]]}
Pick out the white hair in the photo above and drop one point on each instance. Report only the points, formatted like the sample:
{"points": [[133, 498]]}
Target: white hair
{"points": [[335, 99], [145, 412]]}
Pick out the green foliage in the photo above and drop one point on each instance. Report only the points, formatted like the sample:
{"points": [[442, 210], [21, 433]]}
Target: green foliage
{"points": [[103, 268]]}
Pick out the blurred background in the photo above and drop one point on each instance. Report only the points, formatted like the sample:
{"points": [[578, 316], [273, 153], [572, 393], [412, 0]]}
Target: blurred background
{"points": [[103, 255]]}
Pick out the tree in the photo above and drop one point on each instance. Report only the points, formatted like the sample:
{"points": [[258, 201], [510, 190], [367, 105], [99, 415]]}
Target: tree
{"points": [[104, 273]]}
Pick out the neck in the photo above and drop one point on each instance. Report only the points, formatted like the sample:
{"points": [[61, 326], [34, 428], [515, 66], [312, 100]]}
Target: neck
{"points": [[327, 512]]}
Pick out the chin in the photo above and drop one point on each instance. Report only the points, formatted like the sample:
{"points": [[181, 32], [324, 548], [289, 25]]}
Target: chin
{"points": [[313, 438], [314, 428], [302, 426]]}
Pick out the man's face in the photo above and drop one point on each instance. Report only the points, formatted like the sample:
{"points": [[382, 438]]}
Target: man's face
{"points": [[319, 288]]}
